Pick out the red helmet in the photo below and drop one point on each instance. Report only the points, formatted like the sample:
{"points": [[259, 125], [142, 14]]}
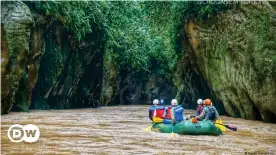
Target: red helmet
{"points": [[207, 102]]}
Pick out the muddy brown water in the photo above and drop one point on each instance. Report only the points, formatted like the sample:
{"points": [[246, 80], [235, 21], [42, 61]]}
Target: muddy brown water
{"points": [[120, 130]]}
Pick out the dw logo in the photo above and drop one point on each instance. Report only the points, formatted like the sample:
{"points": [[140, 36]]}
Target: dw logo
{"points": [[29, 133]]}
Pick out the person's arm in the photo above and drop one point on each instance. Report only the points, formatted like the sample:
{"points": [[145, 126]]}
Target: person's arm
{"points": [[183, 115], [172, 115], [150, 116], [217, 114], [197, 111], [202, 114], [165, 112]]}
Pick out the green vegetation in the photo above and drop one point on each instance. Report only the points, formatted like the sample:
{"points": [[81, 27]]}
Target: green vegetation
{"points": [[76, 16], [141, 36], [196, 10], [139, 40]]}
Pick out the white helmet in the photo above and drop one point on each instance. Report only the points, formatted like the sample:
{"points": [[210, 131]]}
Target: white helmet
{"points": [[155, 101], [199, 101], [174, 102]]}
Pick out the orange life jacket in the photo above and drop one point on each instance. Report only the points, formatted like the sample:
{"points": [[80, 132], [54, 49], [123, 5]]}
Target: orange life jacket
{"points": [[168, 112]]}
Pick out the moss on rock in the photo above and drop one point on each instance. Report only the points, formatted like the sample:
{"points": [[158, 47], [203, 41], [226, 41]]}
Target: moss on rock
{"points": [[234, 54], [16, 20]]}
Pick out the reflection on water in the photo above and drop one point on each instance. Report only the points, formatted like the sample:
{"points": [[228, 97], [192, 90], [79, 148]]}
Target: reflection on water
{"points": [[120, 129]]}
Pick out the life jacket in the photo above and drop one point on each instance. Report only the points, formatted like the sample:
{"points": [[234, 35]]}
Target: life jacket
{"points": [[178, 113], [157, 111], [167, 114], [211, 115], [199, 110]]}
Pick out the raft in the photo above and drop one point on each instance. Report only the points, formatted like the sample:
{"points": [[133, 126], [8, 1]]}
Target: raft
{"points": [[188, 128]]}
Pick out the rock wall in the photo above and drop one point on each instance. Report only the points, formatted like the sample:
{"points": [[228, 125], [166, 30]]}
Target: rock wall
{"points": [[70, 74], [191, 86], [128, 88], [17, 57], [43, 66], [230, 58], [235, 53]]}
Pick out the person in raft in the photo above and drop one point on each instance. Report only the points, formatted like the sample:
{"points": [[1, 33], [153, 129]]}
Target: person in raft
{"points": [[162, 102], [167, 115], [176, 112], [199, 107], [156, 111], [209, 112]]}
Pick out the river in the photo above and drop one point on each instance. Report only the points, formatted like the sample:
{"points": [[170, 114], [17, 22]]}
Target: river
{"points": [[120, 130]]}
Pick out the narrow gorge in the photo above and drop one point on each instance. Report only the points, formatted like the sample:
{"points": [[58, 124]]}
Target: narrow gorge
{"points": [[67, 55]]}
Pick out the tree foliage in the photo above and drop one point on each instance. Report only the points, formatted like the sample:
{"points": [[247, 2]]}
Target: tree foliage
{"points": [[78, 17], [139, 35], [195, 10]]}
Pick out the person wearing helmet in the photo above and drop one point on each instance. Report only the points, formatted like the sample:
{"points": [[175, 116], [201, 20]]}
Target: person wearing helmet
{"points": [[209, 112], [176, 112], [199, 107], [167, 115], [162, 101], [156, 110]]}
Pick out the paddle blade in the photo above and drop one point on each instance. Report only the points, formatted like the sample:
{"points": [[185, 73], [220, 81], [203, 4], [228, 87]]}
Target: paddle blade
{"points": [[221, 127], [148, 129], [219, 121], [233, 128], [172, 134]]}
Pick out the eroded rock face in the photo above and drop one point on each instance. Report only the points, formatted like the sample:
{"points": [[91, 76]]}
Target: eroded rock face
{"points": [[236, 54], [129, 88], [16, 22], [70, 74], [145, 89], [43, 66]]}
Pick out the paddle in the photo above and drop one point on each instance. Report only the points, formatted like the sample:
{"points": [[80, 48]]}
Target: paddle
{"points": [[148, 129], [172, 134], [223, 127], [217, 124], [230, 127]]}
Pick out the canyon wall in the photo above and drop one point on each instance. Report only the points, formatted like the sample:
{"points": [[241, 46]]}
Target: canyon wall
{"points": [[235, 52]]}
